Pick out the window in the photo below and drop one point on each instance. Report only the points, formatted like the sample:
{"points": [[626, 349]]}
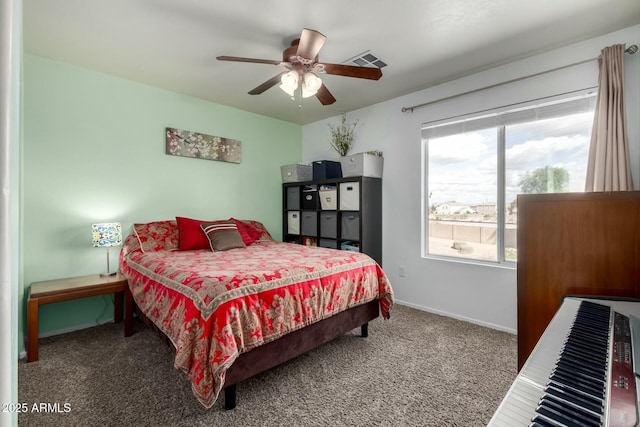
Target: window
{"points": [[475, 167]]}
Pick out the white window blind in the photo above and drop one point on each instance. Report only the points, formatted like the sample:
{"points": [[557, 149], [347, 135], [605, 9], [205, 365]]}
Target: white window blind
{"points": [[510, 115]]}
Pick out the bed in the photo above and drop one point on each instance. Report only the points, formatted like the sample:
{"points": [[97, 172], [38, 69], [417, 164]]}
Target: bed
{"points": [[233, 310]]}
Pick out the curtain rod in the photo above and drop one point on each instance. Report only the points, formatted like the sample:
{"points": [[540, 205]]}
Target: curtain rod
{"points": [[630, 50]]}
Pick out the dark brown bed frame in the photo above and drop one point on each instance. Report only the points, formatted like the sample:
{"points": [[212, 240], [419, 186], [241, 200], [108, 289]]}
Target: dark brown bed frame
{"points": [[279, 351]]}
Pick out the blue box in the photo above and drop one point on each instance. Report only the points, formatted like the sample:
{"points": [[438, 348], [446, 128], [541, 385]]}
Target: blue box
{"points": [[326, 169]]}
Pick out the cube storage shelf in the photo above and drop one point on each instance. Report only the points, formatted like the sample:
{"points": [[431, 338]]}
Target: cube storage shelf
{"points": [[340, 213]]}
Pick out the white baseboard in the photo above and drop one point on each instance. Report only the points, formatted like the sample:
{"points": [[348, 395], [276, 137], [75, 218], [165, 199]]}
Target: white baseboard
{"points": [[23, 353], [455, 316]]}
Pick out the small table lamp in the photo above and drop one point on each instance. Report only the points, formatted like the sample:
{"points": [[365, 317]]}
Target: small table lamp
{"points": [[105, 235]]}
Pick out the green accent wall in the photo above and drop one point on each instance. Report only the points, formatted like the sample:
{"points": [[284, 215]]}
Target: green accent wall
{"points": [[94, 151]]}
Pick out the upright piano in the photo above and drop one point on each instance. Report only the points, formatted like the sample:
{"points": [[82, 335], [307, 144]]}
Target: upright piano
{"points": [[584, 370]]}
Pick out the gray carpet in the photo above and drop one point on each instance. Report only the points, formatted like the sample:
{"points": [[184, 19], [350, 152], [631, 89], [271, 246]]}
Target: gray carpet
{"points": [[416, 369]]}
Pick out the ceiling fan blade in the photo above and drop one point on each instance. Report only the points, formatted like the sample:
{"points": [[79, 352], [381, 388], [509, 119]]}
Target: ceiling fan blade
{"points": [[253, 60], [267, 85], [371, 73], [324, 96], [311, 41]]}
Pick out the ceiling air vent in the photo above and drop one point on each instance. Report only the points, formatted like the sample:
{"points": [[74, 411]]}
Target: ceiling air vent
{"points": [[366, 59]]}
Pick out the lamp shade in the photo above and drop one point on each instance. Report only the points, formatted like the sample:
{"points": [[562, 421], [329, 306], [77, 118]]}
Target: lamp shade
{"points": [[106, 234], [311, 85], [289, 82]]}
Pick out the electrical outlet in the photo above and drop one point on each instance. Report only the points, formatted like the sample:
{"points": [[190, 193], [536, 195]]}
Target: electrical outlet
{"points": [[401, 271]]}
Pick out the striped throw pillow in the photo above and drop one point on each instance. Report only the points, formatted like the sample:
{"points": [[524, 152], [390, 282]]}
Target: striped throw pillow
{"points": [[222, 235]]}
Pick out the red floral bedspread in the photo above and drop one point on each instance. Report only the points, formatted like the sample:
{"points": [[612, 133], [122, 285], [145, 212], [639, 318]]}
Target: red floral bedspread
{"points": [[215, 305]]}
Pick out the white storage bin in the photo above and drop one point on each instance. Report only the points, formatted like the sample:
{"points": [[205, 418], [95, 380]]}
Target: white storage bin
{"points": [[349, 196], [296, 173], [362, 164], [329, 200], [293, 222]]}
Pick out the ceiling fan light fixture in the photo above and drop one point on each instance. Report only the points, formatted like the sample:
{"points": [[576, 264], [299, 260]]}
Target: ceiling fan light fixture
{"points": [[310, 85], [289, 82], [302, 63]]}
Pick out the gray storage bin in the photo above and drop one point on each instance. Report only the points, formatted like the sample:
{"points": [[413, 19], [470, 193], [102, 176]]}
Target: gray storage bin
{"points": [[329, 225], [328, 243], [296, 173], [350, 226], [309, 223], [293, 222], [293, 198]]}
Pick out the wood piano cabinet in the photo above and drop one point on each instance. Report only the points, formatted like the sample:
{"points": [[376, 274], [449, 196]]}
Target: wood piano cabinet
{"points": [[573, 244]]}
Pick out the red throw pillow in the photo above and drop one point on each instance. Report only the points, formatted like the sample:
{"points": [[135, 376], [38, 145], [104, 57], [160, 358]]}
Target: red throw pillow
{"points": [[258, 227], [157, 236], [190, 235], [248, 233]]}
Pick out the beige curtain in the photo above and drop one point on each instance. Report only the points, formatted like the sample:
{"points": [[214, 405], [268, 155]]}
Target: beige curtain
{"points": [[609, 168]]}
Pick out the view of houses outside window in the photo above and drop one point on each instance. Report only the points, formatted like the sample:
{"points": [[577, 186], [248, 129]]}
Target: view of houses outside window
{"points": [[467, 171]]}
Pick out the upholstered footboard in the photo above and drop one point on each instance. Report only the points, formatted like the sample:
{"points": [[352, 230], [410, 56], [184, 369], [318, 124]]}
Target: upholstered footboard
{"points": [[295, 344], [279, 351]]}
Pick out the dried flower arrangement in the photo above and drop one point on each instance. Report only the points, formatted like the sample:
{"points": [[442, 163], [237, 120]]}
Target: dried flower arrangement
{"points": [[342, 135]]}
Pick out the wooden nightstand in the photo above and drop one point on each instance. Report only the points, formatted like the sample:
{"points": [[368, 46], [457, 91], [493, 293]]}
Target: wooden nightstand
{"points": [[69, 289]]}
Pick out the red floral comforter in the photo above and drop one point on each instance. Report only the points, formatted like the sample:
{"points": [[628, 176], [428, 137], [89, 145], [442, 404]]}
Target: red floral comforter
{"points": [[215, 305]]}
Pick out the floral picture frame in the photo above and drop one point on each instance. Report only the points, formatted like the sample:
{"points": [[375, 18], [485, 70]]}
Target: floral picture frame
{"points": [[198, 145]]}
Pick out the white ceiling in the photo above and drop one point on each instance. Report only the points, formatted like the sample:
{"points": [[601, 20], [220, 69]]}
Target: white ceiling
{"points": [[172, 44]]}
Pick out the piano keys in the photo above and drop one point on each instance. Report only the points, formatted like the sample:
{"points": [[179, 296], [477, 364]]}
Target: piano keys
{"points": [[581, 372]]}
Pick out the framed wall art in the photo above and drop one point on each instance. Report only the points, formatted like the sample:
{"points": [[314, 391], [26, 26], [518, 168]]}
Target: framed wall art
{"points": [[198, 145]]}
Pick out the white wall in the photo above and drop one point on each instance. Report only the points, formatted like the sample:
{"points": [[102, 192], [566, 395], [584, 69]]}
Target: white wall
{"points": [[478, 293]]}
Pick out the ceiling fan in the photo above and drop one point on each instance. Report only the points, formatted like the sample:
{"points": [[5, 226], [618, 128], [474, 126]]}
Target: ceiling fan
{"points": [[301, 61]]}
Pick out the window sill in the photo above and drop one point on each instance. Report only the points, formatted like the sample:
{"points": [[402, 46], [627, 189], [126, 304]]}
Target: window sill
{"points": [[505, 265]]}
